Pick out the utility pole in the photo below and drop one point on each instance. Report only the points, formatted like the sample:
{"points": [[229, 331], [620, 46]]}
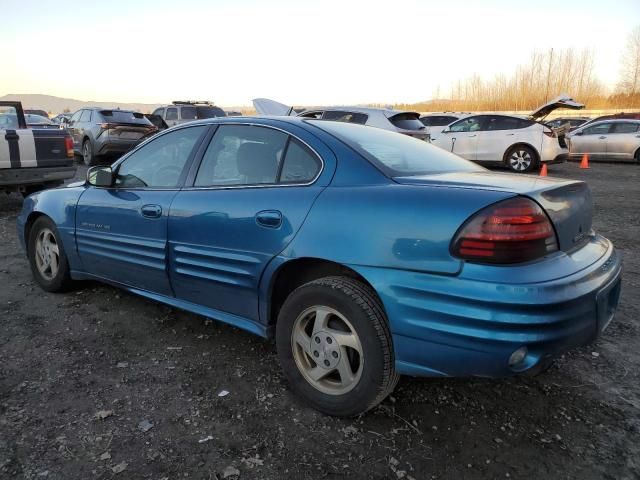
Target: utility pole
{"points": [[546, 93]]}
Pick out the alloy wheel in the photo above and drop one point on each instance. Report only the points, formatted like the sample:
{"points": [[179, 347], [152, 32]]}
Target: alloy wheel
{"points": [[520, 160], [327, 350], [47, 254]]}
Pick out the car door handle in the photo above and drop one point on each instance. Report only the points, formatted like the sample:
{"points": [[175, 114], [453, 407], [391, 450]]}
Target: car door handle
{"points": [[11, 136], [510, 134], [471, 136], [602, 138], [269, 218], [151, 211]]}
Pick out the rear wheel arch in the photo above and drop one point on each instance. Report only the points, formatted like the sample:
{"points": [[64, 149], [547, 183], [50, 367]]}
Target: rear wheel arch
{"points": [[296, 273]]}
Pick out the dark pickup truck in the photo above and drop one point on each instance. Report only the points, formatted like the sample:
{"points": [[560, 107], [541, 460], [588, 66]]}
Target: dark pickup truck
{"points": [[32, 159]]}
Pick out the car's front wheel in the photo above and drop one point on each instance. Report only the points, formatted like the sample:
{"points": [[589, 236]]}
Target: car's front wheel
{"points": [[47, 257], [335, 346], [521, 159]]}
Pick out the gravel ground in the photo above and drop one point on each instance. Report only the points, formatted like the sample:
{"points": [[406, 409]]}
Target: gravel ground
{"points": [[98, 383]]}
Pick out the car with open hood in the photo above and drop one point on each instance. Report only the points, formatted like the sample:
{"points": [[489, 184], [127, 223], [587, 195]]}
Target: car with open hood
{"points": [[407, 123], [367, 254], [518, 142]]}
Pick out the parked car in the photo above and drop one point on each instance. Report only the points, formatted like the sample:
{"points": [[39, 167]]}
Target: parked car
{"points": [[399, 121], [606, 140], [187, 111], [572, 122], [367, 253], [31, 157], [98, 133], [32, 111], [39, 121], [435, 122], [616, 116], [521, 144]]}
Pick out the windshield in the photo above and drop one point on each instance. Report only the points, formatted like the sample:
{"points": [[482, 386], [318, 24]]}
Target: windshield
{"points": [[394, 153]]}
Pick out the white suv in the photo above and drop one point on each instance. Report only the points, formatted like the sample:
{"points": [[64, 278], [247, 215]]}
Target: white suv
{"points": [[187, 111], [521, 143]]}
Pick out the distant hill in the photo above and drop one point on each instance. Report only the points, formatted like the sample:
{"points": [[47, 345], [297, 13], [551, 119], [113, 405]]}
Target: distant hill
{"points": [[57, 105]]}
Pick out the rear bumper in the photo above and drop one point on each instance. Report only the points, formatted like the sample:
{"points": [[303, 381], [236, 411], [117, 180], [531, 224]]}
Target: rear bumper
{"points": [[457, 326], [17, 177]]}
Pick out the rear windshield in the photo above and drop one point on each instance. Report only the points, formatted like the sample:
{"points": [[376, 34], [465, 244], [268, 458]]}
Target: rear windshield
{"points": [[397, 155], [210, 112], [407, 121], [123, 116]]}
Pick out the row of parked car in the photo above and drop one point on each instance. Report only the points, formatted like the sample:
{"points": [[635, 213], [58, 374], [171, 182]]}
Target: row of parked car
{"points": [[522, 143]]}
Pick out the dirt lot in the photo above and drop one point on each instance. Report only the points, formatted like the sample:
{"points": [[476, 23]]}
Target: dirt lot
{"points": [[98, 383]]}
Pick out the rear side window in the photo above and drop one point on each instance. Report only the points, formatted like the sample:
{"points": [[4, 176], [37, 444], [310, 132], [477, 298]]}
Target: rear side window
{"points": [[123, 116], [625, 127], [86, 116], [506, 123], [407, 121], [349, 117], [188, 113], [300, 164], [396, 155], [172, 113], [437, 120], [242, 155], [159, 112]]}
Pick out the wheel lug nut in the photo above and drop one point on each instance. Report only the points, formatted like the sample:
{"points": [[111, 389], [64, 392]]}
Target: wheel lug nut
{"points": [[326, 362], [335, 354], [329, 341], [316, 353], [317, 339]]}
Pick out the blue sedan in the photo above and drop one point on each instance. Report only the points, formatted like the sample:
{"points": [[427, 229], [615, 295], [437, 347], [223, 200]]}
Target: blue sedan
{"points": [[367, 254]]}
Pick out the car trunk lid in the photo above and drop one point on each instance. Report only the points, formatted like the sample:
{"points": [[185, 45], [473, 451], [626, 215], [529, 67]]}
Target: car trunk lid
{"points": [[126, 126], [561, 101], [568, 203]]}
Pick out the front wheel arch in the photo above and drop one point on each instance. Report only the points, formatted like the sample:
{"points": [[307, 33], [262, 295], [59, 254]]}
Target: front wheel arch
{"points": [[31, 219]]}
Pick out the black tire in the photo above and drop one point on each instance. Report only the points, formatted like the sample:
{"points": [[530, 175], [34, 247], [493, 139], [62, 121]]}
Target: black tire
{"points": [[61, 281], [360, 305], [88, 157], [637, 156], [521, 159]]}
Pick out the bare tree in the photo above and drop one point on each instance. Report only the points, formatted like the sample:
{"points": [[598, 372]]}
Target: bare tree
{"points": [[630, 72]]}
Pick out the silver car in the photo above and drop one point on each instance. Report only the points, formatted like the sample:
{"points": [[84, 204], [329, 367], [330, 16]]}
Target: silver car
{"points": [[606, 140], [399, 121]]}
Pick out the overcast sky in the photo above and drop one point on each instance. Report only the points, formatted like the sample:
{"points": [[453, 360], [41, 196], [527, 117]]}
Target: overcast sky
{"points": [[298, 52]]}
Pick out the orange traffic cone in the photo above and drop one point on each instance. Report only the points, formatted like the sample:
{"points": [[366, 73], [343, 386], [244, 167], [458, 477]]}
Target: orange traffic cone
{"points": [[543, 170], [585, 161]]}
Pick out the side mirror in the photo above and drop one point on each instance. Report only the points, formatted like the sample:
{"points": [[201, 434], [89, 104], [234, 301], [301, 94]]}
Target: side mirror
{"points": [[101, 176], [578, 133], [446, 130]]}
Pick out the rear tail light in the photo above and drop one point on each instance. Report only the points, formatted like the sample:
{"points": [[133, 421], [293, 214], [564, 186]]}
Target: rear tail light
{"points": [[512, 231], [549, 133], [68, 144], [106, 126]]}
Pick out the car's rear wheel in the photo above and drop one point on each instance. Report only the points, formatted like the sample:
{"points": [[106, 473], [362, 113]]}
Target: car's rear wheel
{"points": [[521, 159], [87, 153], [47, 257], [637, 156], [335, 346]]}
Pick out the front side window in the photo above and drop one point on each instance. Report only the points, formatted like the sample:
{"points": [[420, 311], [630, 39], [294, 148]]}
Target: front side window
{"points": [[172, 113], [242, 155], [437, 120], [625, 127], [349, 117], [160, 162], [599, 129], [76, 116], [86, 116], [8, 119], [471, 124]]}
